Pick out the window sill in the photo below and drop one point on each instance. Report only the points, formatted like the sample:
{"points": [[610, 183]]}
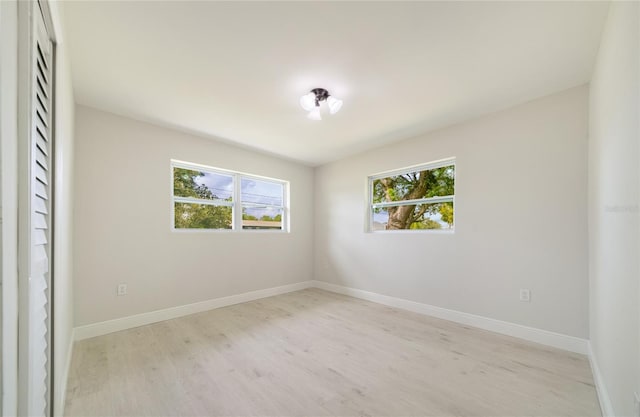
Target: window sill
{"points": [[414, 231], [231, 231]]}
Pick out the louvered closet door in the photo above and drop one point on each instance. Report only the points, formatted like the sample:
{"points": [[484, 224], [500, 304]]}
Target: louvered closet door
{"points": [[40, 194]]}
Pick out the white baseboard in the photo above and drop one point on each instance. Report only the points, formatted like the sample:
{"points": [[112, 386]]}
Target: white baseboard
{"points": [[61, 390], [606, 406], [561, 341], [110, 326], [557, 340]]}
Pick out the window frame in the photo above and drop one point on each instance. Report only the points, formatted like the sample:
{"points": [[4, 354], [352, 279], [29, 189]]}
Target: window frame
{"points": [[236, 204], [371, 206]]}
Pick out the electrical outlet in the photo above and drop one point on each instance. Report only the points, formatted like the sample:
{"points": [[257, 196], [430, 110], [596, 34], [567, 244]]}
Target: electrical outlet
{"points": [[525, 295], [122, 289]]}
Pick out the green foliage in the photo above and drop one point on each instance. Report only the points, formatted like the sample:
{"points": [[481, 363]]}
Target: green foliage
{"points": [[202, 216], [431, 183], [446, 211], [265, 218], [184, 185], [197, 216], [425, 224]]}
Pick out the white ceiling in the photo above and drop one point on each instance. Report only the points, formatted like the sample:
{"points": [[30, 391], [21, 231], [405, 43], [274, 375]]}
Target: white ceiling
{"points": [[236, 70]]}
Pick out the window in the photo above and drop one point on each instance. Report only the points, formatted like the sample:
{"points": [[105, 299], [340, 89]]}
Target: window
{"points": [[214, 199], [414, 198]]}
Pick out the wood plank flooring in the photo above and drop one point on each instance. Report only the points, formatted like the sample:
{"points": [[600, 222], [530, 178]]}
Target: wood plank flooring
{"points": [[317, 353]]}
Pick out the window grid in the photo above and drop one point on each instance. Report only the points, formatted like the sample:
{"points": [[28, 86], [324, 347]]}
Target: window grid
{"points": [[371, 206], [236, 204]]}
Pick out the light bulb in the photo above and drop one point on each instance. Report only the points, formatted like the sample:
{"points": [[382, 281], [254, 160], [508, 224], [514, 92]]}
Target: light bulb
{"points": [[334, 104], [314, 114], [308, 101]]}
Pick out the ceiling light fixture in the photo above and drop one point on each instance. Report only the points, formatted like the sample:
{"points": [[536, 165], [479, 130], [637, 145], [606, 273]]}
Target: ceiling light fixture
{"points": [[311, 103]]}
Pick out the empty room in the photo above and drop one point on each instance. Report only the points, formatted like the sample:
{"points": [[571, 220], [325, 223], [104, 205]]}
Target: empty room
{"points": [[320, 208]]}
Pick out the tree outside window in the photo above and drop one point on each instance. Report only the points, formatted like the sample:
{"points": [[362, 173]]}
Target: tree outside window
{"points": [[421, 198]]}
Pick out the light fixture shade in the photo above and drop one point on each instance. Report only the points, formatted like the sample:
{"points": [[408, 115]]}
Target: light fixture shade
{"points": [[314, 114], [334, 104], [308, 101]]}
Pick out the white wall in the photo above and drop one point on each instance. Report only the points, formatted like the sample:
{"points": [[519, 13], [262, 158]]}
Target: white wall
{"points": [[614, 201], [123, 222], [520, 219]]}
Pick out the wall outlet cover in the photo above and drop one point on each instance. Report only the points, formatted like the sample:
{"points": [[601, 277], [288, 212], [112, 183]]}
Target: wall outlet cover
{"points": [[122, 289]]}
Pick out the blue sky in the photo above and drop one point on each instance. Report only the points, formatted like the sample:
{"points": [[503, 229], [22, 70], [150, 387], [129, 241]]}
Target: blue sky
{"points": [[253, 191], [220, 185]]}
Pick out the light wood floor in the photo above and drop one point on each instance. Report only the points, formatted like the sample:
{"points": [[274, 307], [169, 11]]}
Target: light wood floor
{"points": [[317, 353]]}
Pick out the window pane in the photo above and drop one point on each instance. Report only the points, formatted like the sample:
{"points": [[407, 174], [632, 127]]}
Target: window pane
{"points": [[202, 216], [421, 216], [202, 184], [436, 182], [262, 192], [262, 218]]}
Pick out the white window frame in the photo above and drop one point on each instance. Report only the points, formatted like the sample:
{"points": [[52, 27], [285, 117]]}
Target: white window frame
{"points": [[371, 206], [236, 204]]}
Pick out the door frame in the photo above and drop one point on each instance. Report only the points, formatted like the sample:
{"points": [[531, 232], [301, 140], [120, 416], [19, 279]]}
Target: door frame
{"points": [[9, 202]]}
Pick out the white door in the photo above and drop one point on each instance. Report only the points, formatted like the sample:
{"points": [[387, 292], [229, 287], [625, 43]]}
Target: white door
{"points": [[35, 212]]}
